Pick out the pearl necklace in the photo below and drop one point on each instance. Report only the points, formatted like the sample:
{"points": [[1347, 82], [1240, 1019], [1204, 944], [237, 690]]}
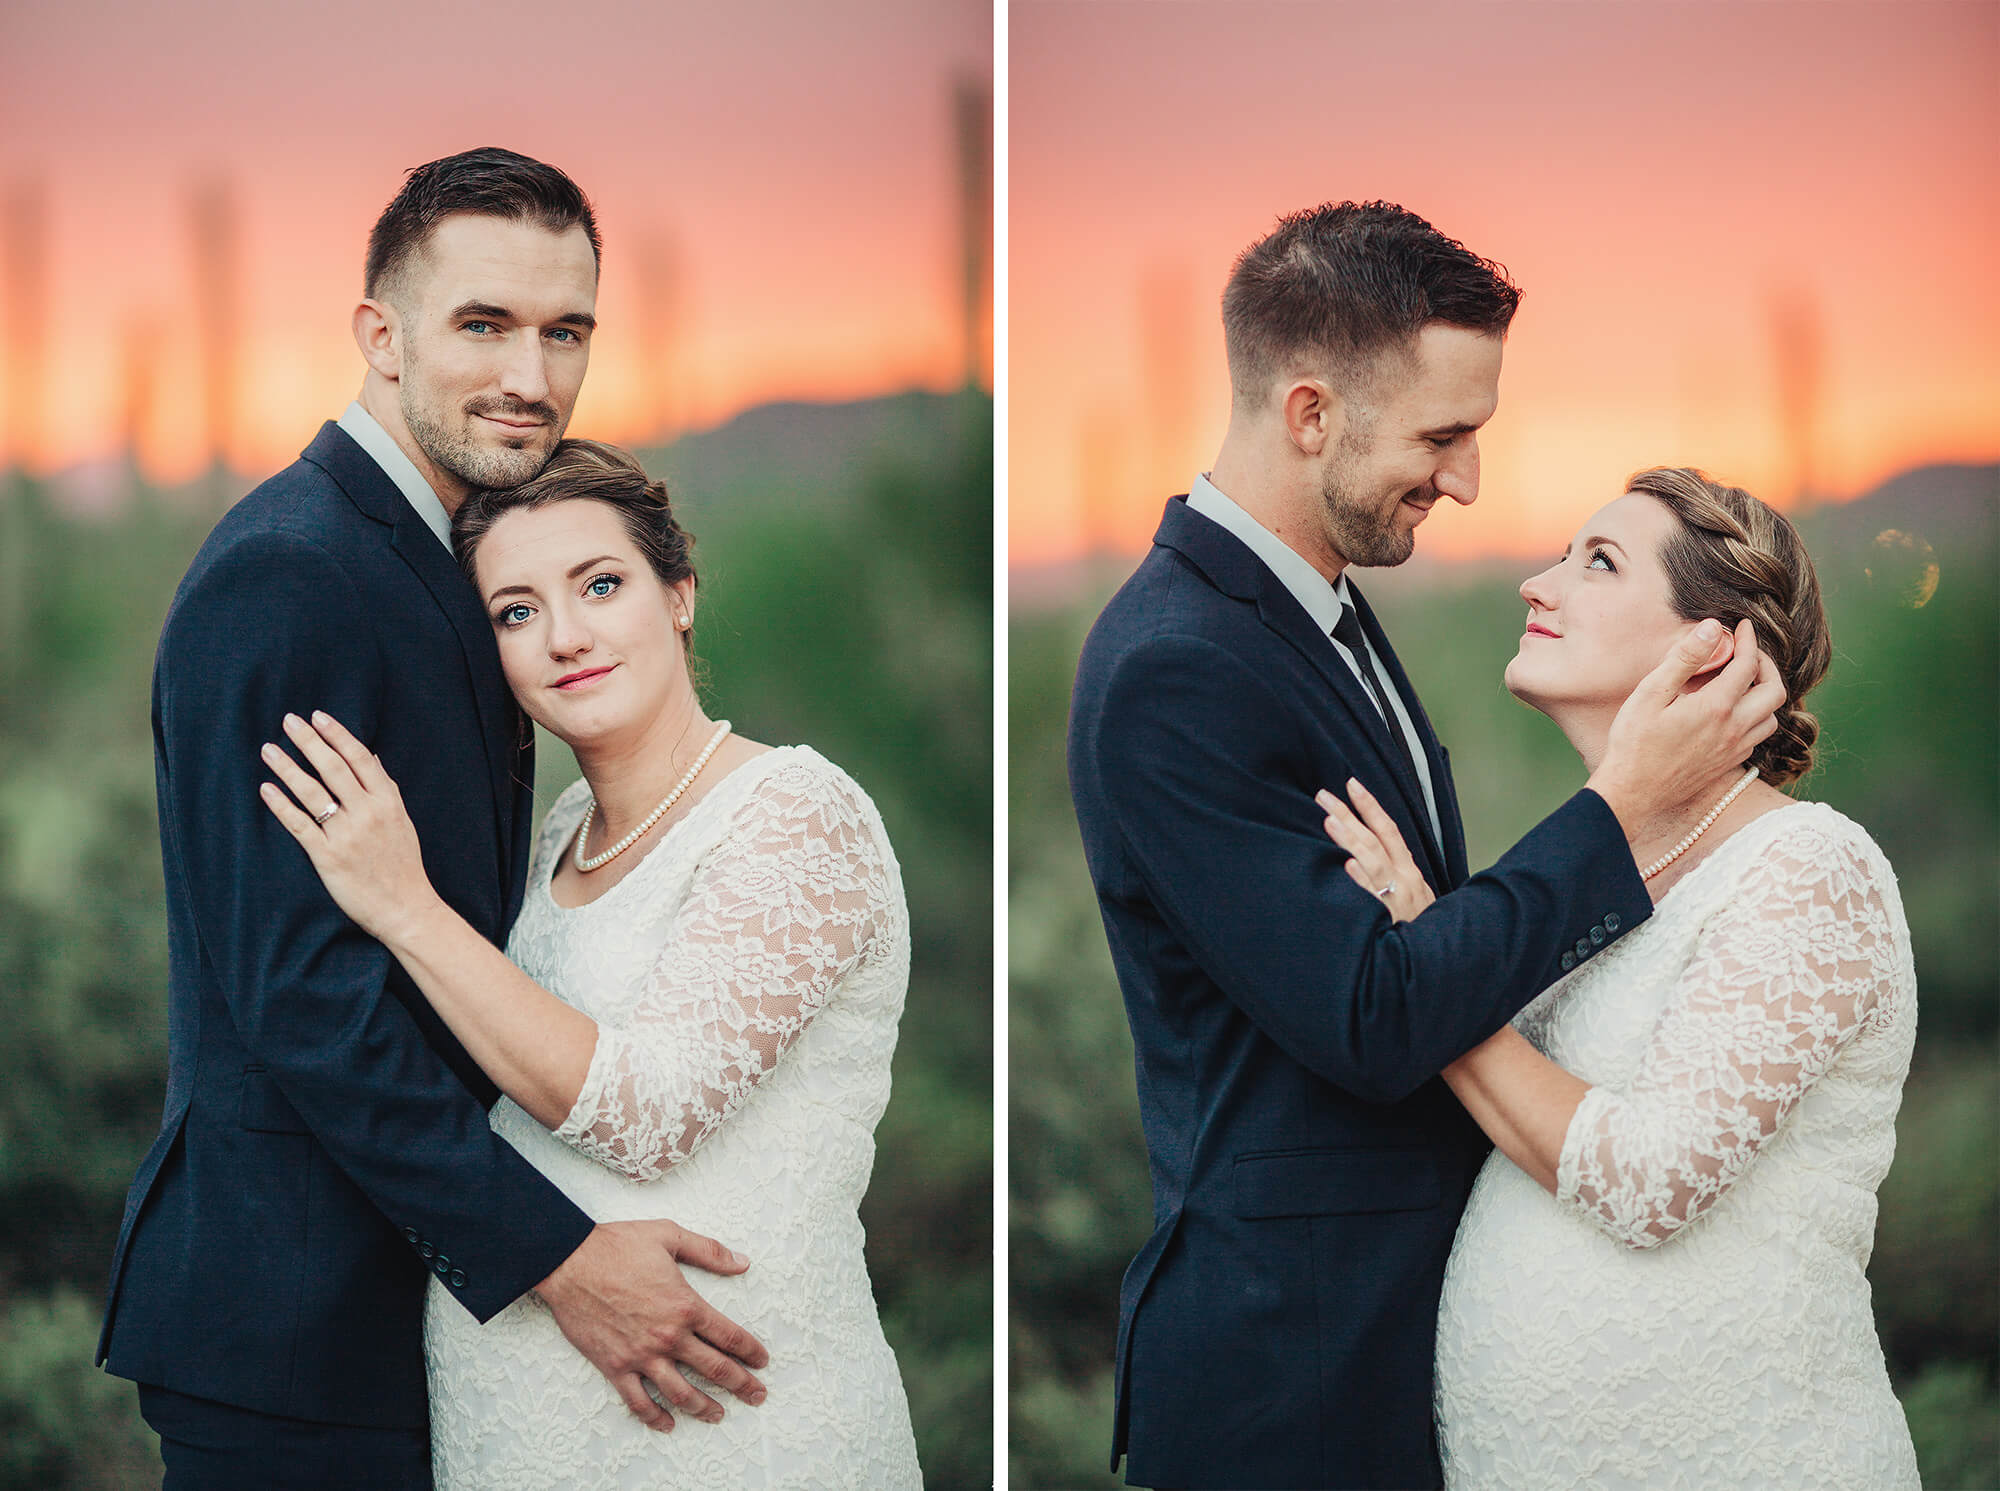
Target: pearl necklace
{"points": [[680, 787], [1700, 828]]}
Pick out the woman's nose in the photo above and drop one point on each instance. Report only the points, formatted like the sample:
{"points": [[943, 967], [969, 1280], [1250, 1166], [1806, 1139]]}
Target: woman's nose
{"points": [[568, 636], [1539, 590]]}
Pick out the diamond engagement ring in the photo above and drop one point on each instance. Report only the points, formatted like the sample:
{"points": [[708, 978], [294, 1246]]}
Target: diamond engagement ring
{"points": [[321, 817]]}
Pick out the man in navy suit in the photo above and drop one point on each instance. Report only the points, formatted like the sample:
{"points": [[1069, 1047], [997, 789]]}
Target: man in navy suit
{"points": [[1308, 1166], [325, 1149]]}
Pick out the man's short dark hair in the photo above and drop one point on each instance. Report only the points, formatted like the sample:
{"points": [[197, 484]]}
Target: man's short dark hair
{"points": [[1335, 287], [488, 181]]}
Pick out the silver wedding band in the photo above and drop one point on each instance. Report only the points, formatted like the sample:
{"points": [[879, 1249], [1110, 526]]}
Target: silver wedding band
{"points": [[321, 817], [1386, 891]]}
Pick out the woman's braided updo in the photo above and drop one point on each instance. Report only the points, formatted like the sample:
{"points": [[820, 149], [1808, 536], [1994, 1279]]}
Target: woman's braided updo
{"points": [[601, 473], [1731, 558]]}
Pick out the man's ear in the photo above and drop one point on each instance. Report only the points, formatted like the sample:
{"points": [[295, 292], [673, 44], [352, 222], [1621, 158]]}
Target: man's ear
{"points": [[378, 332], [1314, 415]]}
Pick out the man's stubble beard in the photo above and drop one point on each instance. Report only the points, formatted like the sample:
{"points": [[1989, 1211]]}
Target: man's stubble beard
{"points": [[1359, 534], [448, 449]]}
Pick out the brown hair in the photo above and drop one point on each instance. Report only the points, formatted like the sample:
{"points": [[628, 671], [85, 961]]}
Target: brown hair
{"points": [[1345, 282], [592, 471], [1731, 558], [490, 182]]}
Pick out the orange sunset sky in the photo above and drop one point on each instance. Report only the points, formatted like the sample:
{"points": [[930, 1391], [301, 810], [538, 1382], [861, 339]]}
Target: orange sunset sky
{"points": [[1762, 238], [778, 185]]}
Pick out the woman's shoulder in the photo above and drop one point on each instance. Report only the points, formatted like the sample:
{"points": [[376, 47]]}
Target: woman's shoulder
{"points": [[796, 783], [1820, 833], [1813, 850]]}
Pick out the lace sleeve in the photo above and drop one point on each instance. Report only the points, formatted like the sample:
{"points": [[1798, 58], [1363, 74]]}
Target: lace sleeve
{"points": [[784, 905], [1782, 977]]}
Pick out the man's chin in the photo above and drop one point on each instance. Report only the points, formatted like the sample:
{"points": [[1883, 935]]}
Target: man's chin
{"points": [[506, 463]]}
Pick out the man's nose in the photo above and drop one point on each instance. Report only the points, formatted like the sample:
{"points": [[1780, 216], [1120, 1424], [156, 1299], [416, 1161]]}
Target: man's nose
{"points": [[1458, 473], [525, 375]]}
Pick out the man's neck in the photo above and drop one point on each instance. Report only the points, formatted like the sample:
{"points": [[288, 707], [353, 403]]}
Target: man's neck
{"points": [[378, 396], [1247, 478]]}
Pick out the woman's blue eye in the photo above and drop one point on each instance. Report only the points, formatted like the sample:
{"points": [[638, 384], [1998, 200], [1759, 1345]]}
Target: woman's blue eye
{"points": [[1597, 554], [602, 586], [515, 615]]}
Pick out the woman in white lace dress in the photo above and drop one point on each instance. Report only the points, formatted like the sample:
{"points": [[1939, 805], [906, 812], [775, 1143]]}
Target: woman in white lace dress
{"points": [[700, 1024], [1659, 1279]]}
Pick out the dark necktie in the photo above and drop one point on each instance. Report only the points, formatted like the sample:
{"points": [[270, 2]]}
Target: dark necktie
{"points": [[1347, 632]]}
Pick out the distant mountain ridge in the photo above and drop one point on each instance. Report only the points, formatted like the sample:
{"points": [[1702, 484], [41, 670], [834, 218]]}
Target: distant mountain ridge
{"points": [[817, 453], [822, 450], [1950, 506]]}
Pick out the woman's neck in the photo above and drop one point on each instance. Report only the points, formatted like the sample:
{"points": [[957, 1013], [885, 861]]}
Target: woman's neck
{"points": [[1588, 733], [629, 779]]}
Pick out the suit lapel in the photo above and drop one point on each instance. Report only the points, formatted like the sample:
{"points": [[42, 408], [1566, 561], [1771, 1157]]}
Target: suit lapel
{"points": [[368, 486], [1453, 855], [1235, 571]]}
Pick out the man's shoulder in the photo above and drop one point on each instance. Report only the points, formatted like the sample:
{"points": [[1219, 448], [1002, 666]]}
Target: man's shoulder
{"points": [[1166, 608], [293, 537]]}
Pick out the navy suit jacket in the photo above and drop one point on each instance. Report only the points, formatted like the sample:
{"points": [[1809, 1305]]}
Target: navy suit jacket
{"points": [[1308, 1166], [325, 1146]]}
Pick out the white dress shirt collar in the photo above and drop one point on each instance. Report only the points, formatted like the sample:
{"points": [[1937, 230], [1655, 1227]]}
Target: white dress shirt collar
{"points": [[1322, 601], [381, 445]]}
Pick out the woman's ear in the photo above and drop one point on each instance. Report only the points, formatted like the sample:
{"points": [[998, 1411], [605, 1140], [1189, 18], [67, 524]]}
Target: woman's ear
{"points": [[1725, 649]]}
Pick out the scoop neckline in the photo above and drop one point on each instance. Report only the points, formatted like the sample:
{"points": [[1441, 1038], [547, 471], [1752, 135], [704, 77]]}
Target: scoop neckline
{"points": [[1723, 849], [544, 882]]}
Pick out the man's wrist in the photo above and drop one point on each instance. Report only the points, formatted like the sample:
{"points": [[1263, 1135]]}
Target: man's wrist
{"points": [[1619, 795], [551, 1288]]}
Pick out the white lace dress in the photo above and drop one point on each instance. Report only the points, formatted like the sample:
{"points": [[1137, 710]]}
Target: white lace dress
{"points": [[1690, 1309], [746, 977]]}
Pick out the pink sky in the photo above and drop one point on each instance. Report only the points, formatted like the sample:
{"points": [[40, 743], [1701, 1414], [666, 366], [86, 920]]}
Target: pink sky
{"points": [[795, 159], [1661, 179]]}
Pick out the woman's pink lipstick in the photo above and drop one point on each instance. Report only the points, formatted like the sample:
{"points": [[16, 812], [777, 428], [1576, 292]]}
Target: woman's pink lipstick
{"points": [[1536, 629], [570, 682]]}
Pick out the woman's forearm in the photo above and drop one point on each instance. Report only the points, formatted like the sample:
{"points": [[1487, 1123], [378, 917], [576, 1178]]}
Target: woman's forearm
{"points": [[1520, 1098], [536, 1049]]}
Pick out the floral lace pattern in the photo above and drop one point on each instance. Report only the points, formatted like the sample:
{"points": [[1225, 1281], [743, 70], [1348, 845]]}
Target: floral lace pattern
{"points": [[1692, 1309], [755, 950], [747, 977]]}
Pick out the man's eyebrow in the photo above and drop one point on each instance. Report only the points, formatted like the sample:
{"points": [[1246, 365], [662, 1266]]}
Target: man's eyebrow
{"points": [[1461, 428], [481, 308], [488, 311]]}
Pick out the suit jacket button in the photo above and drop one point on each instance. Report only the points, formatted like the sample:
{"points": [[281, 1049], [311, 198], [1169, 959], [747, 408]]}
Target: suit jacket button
{"points": [[1611, 922], [457, 1278], [425, 1250], [1568, 962], [1597, 936], [410, 1233], [1582, 948]]}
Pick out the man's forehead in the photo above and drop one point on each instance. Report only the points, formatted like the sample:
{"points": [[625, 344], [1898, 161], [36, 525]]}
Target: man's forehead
{"points": [[472, 255], [1450, 375]]}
